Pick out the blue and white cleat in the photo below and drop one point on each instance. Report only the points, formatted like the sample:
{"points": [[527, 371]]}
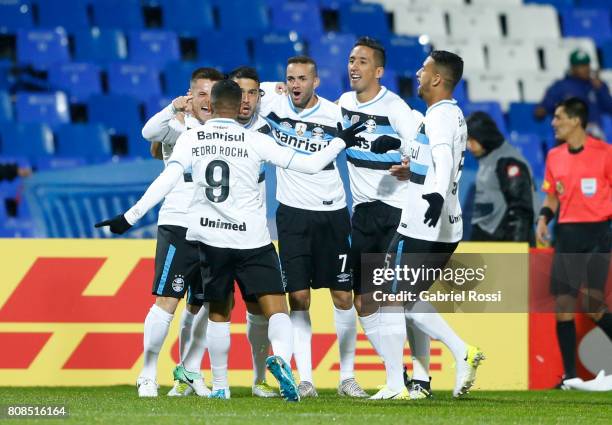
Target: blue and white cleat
{"points": [[223, 394], [282, 372]]}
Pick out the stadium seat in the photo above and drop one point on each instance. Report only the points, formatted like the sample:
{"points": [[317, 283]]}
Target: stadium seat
{"points": [[275, 47], [120, 114], [139, 81], [606, 76], [606, 54], [15, 15], [137, 146], [100, 45], [460, 93], [606, 121], [232, 13], [118, 14], [153, 47], [417, 103], [364, 19], [84, 140], [594, 23], [389, 79], [78, 80], [227, 50], [482, 22], [303, 17], [50, 108], [41, 48], [32, 140], [271, 70], [68, 14], [427, 21], [332, 49], [470, 49], [6, 110], [187, 17], [558, 4], [405, 55], [512, 55], [530, 145], [535, 84], [491, 108], [156, 104], [332, 83], [176, 77], [532, 22], [602, 4], [520, 119], [557, 52], [499, 87]]}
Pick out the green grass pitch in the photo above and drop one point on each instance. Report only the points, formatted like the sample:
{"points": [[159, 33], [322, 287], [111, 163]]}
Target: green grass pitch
{"points": [[120, 405]]}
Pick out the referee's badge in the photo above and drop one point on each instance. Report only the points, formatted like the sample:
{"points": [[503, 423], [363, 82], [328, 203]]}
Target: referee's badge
{"points": [[559, 188], [588, 186]]}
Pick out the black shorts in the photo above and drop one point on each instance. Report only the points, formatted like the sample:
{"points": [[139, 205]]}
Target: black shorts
{"points": [[374, 225], [314, 248], [257, 270], [582, 256], [177, 266]]}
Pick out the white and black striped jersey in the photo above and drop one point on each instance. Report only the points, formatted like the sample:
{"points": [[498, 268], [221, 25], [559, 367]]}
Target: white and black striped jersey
{"points": [[386, 114]]}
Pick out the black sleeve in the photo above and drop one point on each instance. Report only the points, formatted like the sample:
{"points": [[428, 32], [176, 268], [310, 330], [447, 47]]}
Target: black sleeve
{"points": [[8, 171], [517, 187]]}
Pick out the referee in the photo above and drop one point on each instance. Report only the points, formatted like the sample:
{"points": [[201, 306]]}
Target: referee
{"points": [[578, 187]]}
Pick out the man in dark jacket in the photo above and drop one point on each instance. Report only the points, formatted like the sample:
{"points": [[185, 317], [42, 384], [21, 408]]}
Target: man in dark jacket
{"points": [[504, 201], [11, 170]]}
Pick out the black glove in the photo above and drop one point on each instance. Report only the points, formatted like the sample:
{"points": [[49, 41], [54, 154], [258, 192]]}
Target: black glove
{"points": [[118, 225], [384, 144], [432, 215], [349, 135]]}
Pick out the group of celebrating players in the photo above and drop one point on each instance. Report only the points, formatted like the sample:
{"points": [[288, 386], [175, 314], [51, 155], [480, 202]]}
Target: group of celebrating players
{"points": [[404, 170]]}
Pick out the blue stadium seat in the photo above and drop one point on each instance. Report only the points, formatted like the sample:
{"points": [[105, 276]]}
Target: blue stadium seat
{"points": [[530, 145], [520, 118], [606, 121], [460, 93], [332, 49], [332, 83], [84, 140], [417, 103], [119, 14], [69, 14], [232, 16], [188, 17], [390, 80], [120, 114], [335, 4], [32, 140], [275, 47], [6, 110], [227, 50], [100, 45], [364, 19], [138, 146], [491, 108], [50, 108], [559, 4], [606, 54], [177, 76], [42, 48], [405, 55], [272, 70], [301, 16], [6, 77], [154, 47], [594, 23], [156, 104], [139, 81], [78, 80], [601, 4], [15, 15]]}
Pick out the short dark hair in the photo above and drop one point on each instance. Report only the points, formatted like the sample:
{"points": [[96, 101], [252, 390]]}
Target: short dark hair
{"points": [[451, 63], [304, 60], [226, 94], [576, 107], [379, 51], [244, 72], [206, 73]]}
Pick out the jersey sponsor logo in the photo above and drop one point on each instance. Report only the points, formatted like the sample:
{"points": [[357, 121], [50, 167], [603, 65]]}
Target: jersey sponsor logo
{"points": [[178, 283], [588, 186], [300, 129], [303, 144], [452, 219], [223, 225], [226, 137]]}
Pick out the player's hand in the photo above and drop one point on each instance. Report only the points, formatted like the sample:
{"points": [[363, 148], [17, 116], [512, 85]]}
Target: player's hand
{"points": [[401, 172], [384, 144], [182, 103], [118, 225], [349, 135], [542, 233], [432, 215], [281, 88]]}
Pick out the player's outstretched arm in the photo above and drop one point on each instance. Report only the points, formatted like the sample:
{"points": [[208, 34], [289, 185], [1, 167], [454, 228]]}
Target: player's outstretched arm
{"points": [[158, 128]]}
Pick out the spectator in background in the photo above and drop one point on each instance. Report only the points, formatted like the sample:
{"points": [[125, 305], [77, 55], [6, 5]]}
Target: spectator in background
{"points": [[503, 205], [578, 187], [11, 170], [583, 83]]}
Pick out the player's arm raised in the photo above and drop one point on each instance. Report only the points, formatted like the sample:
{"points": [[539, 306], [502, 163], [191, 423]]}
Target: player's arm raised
{"points": [[158, 128]]}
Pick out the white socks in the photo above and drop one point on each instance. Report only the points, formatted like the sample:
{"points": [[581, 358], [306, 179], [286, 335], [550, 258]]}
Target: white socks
{"points": [[218, 339], [194, 352], [426, 318], [185, 332], [419, 347], [346, 329], [280, 334], [393, 337], [156, 326], [257, 334], [370, 328], [302, 336]]}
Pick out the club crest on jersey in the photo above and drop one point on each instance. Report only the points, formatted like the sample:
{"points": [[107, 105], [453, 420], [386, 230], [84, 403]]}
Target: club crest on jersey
{"points": [[285, 124], [370, 126], [354, 119], [318, 133], [300, 129], [178, 283]]}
